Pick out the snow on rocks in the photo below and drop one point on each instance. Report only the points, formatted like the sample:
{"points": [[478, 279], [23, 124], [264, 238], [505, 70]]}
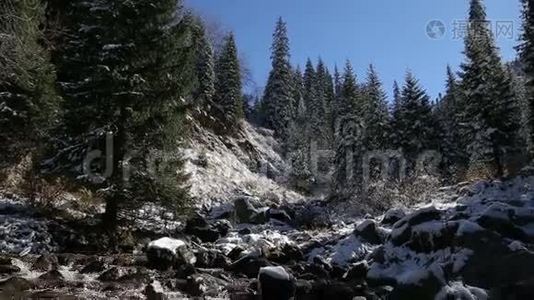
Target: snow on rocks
{"points": [[461, 239], [166, 252], [458, 290]]}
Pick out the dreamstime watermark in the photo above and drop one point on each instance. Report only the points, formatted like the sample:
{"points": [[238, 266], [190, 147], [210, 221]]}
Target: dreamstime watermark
{"points": [[363, 167], [460, 29]]}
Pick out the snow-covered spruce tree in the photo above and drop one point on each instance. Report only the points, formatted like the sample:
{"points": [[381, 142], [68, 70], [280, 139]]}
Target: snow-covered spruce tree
{"points": [[375, 113], [338, 84], [348, 145], [125, 67], [321, 111], [28, 101], [526, 53], [394, 111], [310, 92], [278, 97], [299, 149], [204, 89], [448, 113], [490, 108], [298, 92], [519, 82], [228, 102], [415, 129]]}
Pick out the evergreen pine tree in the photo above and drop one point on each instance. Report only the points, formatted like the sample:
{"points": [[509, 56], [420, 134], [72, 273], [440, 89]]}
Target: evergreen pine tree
{"points": [[375, 113], [228, 104], [29, 103], [490, 108], [316, 108], [125, 67], [204, 71], [449, 112], [338, 84], [299, 149], [414, 124], [298, 92], [526, 53], [348, 145], [395, 114], [321, 112], [278, 97]]}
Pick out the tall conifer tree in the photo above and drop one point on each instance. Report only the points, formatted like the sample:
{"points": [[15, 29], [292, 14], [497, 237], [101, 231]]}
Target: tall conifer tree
{"points": [[228, 103], [278, 97], [490, 108]]}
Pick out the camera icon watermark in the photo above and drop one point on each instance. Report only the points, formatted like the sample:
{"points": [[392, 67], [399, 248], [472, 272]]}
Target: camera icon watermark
{"points": [[435, 29]]}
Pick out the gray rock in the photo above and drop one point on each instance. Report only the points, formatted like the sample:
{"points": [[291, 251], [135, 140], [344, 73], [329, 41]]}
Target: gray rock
{"points": [[392, 216], [249, 210], [368, 230], [45, 262], [276, 283]]}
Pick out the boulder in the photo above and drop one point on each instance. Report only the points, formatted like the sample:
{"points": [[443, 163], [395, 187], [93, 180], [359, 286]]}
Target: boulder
{"points": [[249, 210], [288, 253], [432, 236], [279, 215], [503, 226], [207, 258], [154, 291], [392, 216], [422, 215], [45, 263], [275, 283], [112, 274], [9, 269], [52, 275], [13, 287], [426, 287], [167, 252], [206, 232], [357, 271], [369, 232]]}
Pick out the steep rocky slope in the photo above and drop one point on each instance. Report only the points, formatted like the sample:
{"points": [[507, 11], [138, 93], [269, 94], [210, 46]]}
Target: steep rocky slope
{"points": [[223, 167]]}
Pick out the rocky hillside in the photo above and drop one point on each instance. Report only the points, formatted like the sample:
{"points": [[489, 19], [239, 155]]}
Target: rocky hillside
{"points": [[222, 167]]}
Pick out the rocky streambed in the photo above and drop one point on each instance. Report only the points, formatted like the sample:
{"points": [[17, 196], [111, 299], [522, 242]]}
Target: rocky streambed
{"points": [[474, 241]]}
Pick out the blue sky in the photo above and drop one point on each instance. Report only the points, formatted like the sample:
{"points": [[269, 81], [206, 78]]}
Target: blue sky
{"points": [[391, 34]]}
